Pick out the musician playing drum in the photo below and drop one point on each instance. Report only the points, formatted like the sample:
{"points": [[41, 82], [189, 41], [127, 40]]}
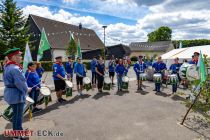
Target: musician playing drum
{"points": [[159, 67], [15, 86], [100, 70], [112, 66], [69, 68], [139, 68], [120, 71], [175, 70], [80, 73], [126, 65], [39, 69], [33, 82], [59, 78], [93, 64]]}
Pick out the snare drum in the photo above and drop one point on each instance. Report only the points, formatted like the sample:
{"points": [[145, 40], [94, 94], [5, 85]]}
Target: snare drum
{"points": [[87, 83], [172, 79], [125, 81], [8, 112], [107, 83], [192, 73], [143, 76], [45, 95], [157, 77], [183, 70], [69, 86]]}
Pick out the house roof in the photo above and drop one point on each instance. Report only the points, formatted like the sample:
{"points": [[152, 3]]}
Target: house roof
{"points": [[60, 34], [151, 46]]}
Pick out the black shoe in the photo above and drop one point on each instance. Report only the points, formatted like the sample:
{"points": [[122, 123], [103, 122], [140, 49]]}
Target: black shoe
{"points": [[36, 110], [63, 100], [59, 100], [154, 90], [140, 88]]}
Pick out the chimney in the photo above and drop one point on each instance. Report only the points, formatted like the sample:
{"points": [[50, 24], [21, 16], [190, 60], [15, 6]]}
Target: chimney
{"points": [[80, 25]]}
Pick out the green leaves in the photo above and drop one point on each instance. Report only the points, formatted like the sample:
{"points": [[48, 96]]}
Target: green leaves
{"points": [[161, 34]]}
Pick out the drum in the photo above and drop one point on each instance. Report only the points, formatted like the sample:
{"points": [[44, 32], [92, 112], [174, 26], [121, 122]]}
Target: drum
{"points": [[8, 112], [87, 83], [45, 96], [157, 77], [172, 79], [69, 86], [125, 81], [192, 73], [183, 70], [107, 83], [143, 76]]}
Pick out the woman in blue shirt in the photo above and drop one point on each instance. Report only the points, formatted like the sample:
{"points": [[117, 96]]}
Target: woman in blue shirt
{"points": [[120, 70], [100, 69]]}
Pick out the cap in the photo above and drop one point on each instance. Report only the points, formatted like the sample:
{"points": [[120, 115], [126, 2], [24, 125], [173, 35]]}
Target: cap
{"points": [[58, 57], [12, 52]]}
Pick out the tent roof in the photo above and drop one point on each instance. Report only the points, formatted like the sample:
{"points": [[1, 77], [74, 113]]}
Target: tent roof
{"points": [[186, 53]]}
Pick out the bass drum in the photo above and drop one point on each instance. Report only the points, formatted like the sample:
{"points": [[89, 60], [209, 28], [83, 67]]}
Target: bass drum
{"points": [[87, 83], [183, 70], [107, 83], [125, 81], [192, 73]]}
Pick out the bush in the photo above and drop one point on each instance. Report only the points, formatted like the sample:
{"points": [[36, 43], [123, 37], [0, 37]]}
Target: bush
{"points": [[87, 64], [134, 58]]}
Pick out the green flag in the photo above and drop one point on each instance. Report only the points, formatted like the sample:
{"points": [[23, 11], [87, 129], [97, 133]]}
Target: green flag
{"points": [[27, 58], [43, 45], [79, 54], [72, 46], [202, 69]]}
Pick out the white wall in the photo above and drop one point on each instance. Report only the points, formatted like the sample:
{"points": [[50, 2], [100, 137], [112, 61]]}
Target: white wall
{"points": [[56, 53]]}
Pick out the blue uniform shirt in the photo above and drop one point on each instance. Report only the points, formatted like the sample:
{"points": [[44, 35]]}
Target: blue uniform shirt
{"points": [[15, 85], [159, 66], [120, 69], [139, 67], [79, 69], [32, 79], [111, 66], [100, 68], [93, 64], [69, 67], [175, 68], [58, 69], [193, 62], [40, 71]]}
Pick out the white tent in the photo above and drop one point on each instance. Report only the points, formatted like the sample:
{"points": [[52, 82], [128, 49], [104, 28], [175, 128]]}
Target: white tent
{"points": [[184, 53]]}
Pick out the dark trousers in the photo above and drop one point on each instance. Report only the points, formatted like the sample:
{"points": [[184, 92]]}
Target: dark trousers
{"points": [[119, 81], [157, 87], [17, 118], [174, 87], [100, 81], [34, 94], [94, 75]]}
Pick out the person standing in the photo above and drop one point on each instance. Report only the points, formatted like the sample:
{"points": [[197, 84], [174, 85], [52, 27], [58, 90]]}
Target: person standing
{"points": [[59, 78], [39, 69], [195, 58], [80, 74], [15, 87], [126, 64], [120, 71], [93, 64], [69, 68], [100, 70], [159, 67], [139, 68], [175, 70], [112, 65], [33, 81]]}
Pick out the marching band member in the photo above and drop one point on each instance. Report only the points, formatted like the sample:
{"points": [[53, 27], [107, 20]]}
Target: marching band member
{"points": [[33, 81], [195, 58], [39, 69], [120, 70], [126, 65], [93, 64], [80, 73], [175, 70], [59, 78], [139, 68], [111, 69], [69, 68], [15, 87], [100, 69], [159, 67]]}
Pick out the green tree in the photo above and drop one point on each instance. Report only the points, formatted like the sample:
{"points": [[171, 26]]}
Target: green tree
{"points": [[72, 47], [13, 27], [161, 34]]}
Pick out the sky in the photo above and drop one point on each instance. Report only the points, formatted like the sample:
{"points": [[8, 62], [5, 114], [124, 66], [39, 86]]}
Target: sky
{"points": [[128, 20]]}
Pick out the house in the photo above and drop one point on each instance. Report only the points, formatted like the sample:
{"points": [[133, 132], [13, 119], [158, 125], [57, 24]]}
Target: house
{"points": [[58, 34], [150, 49], [119, 51]]}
